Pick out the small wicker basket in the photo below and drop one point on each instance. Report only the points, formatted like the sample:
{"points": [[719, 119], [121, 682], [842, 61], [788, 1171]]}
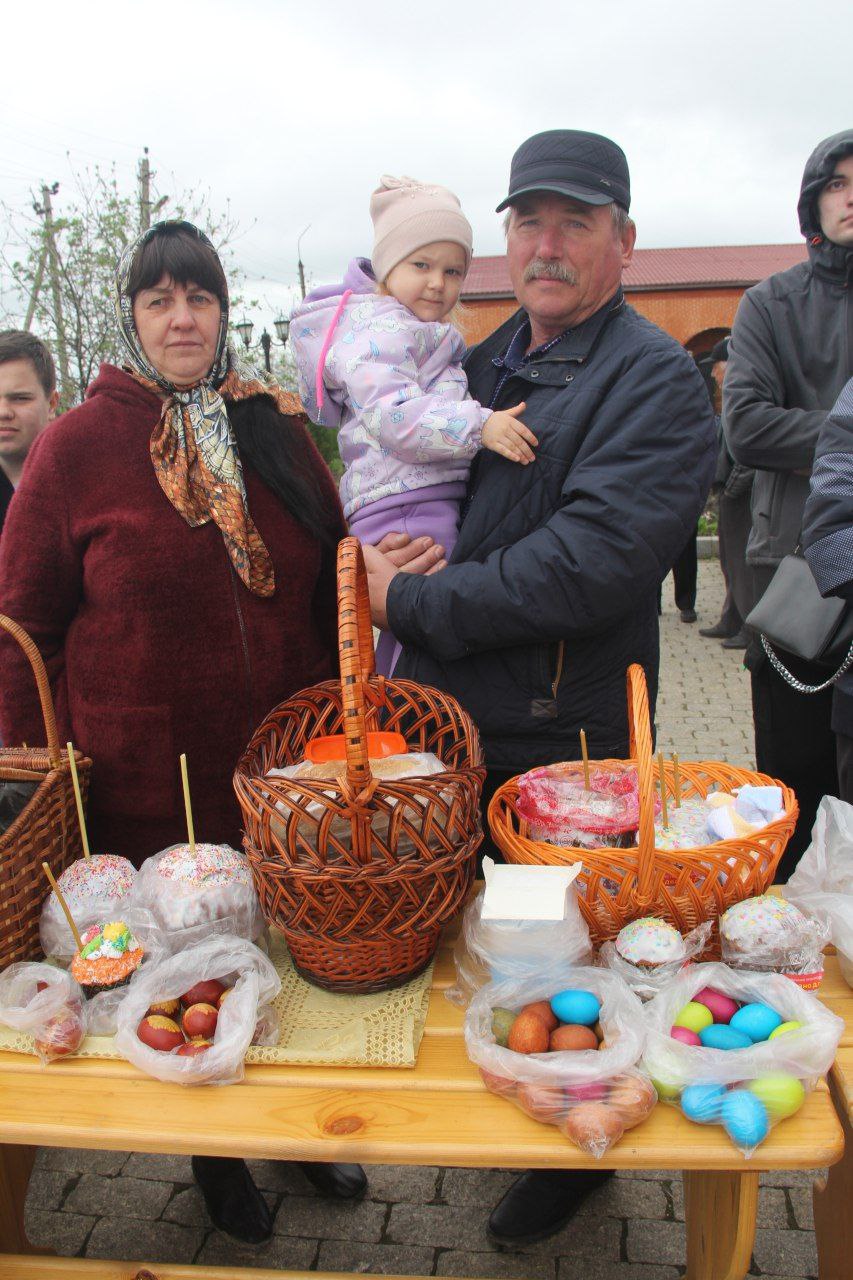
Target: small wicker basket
{"points": [[46, 829], [684, 886], [361, 874]]}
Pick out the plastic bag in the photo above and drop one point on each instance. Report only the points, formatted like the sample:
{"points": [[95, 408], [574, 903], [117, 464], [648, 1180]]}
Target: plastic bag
{"points": [[97, 890], [233, 961], [511, 950], [804, 1054], [822, 885], [647, 983], [769, 934], [14, 798], [47, 1004], [191, 896], [561, 809], [592, 1095]]}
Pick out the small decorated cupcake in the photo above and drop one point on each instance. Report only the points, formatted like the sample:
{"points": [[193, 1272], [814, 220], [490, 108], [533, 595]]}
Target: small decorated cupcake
{"points": [[650, 942], [109, 958]]}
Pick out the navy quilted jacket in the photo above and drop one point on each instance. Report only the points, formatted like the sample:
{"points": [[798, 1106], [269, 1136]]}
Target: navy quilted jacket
{"points": [[551, 592]]}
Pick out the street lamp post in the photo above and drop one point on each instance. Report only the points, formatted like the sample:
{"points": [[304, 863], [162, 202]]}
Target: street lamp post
{"points": [[282, 328]]}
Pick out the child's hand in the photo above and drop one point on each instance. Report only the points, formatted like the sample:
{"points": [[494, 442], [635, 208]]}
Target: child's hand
{"points": [[504, 433]]}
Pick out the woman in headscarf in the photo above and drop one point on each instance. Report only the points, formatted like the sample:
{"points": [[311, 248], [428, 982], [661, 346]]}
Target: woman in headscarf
{"points": [[171, 551]]}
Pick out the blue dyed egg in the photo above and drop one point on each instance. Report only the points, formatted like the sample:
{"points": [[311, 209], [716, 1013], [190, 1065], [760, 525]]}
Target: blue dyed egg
{"points": [[702, 1102], [721, 1036], [744, 1118], [579, 1007], [756, 1021]]}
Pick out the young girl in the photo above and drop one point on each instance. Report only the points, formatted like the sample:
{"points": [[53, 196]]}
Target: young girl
{"points": [[378, 359]]}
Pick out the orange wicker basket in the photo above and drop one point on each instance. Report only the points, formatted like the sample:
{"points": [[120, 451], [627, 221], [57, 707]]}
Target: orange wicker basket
{"points": [[361, 874], [684, 886], [46, 829]]}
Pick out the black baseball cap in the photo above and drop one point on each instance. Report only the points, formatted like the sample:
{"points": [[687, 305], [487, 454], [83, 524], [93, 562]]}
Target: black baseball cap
{"points": [[586, 166], [720, 351]]}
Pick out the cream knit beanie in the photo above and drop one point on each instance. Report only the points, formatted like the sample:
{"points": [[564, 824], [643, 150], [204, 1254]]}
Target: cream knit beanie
{"points": [[407, 215]]}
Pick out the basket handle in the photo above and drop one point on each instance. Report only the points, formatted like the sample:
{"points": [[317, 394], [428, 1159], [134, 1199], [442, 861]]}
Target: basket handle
{"points": [[640, 747], [42, 684], [355, 647]]}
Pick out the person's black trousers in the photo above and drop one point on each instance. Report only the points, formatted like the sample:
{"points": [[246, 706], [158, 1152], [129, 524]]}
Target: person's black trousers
{"points": [[844, 747], [684, 573]]}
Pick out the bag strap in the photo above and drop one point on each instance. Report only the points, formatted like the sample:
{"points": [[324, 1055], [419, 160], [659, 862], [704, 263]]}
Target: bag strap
{"points": [[792, 680]]}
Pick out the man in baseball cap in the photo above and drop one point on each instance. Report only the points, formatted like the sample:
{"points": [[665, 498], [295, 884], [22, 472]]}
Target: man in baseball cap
{"points": [[551, 590]]}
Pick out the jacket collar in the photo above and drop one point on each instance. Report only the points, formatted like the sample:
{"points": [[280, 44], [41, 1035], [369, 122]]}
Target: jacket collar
{"points": [[574, 344]]}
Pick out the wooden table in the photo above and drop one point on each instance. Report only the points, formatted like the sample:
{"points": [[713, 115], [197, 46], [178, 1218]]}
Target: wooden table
{"points": [[439, 1113], [833, 1197]]}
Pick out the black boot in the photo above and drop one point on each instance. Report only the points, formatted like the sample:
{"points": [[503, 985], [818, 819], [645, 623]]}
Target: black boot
{"points": [[542, 1201], [235, 1205], [337, 1181]]}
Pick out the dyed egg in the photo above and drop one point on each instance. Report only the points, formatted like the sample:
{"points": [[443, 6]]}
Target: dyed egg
{"points": [[783, 1028], [702, 1102], [695, 1017], [781, 1094], [501, 1085], [541, 1102], [528, 1034], [719, 1036], [572, 1037], [722, 1007], [756, 1021], [684, 1035], [633, 1098], [543, 1010], [502, 1020], [593, 1126], [586, 1092], [580, 1007], [744, 1118], [666, 1092]]}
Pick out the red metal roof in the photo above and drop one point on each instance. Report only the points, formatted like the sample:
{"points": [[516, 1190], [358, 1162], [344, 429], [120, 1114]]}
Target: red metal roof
{"points": [[713, 267]]}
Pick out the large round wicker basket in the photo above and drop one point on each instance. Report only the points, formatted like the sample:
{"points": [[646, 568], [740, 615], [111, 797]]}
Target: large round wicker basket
{"points": [[361, 874], [684, 886]]}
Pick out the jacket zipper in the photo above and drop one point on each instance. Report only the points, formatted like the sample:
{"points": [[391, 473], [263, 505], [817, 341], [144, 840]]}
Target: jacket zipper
{"points": [[558, 674], [244, 640]]}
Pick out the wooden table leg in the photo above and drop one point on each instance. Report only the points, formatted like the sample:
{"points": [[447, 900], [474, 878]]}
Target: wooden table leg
{"points": [[16, 1165], [720, 1213], [833, 1203]]}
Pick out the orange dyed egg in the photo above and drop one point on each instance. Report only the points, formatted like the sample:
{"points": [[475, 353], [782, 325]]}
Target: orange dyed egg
{"points": [[528, 1034], [573, 1037]]}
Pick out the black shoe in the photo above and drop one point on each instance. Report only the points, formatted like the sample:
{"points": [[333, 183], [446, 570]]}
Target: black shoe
{"points": [[542, 1201], [337, 1181], [739, 641], [235, 1205], [687, 615], [717, 632]]}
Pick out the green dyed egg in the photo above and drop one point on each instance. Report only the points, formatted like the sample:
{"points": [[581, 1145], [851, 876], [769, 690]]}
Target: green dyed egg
{"points": [[695, 1017], [502, 1020], [783, 1027], [666, 1092], [782, 1095]]}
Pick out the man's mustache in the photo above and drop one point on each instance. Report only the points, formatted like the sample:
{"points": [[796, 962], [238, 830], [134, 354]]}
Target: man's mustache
{"points": [[538, 269]]}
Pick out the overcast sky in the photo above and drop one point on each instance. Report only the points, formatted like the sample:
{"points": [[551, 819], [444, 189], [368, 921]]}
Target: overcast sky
{"points": [[291, 111]]}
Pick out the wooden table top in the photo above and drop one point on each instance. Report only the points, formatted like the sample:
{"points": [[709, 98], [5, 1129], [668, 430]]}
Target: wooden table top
{"points": [[437, 1113]]}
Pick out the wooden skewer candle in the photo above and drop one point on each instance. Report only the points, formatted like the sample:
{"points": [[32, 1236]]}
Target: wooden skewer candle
{"points": [[61, 900], [79, 798], [186, 785], [664, 813], [585, 756], [676, 779]]}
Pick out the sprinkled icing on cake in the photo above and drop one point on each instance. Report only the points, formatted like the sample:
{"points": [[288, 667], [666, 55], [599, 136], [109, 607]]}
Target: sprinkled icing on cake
{"points": [[211, 864], [761, 921], [650, 941], [104, 875]]}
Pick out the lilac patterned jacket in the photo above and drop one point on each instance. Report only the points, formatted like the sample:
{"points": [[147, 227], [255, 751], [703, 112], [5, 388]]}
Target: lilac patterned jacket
{"points": [[392, 385]]}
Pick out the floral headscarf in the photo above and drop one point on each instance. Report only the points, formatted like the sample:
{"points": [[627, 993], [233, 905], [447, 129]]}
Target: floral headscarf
{"points": [[193, 447]]}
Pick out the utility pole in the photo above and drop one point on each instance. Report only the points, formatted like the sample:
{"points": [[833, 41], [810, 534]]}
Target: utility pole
{"points": [[144, 176], [52, 255], [31, 306], [300, 266]]}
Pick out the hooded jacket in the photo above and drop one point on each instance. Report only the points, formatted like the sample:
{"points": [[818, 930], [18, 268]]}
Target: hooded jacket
{"points": [[392, 385], [791, 353], [551, 590]]}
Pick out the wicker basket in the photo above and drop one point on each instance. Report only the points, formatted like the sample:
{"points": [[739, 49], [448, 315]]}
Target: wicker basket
{"points": [[684, 886], [46, 830], [362, 874]]}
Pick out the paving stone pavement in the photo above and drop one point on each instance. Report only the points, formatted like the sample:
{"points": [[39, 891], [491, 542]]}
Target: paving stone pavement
{"points": [[425, 1221]]}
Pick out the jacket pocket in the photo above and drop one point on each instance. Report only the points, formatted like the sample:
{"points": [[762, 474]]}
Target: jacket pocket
{"points": [[134, 768], [549, 672]]}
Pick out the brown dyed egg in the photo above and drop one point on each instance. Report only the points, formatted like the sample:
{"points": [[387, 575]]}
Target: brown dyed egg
{"points": [[199, 1020], [599, 1032], [193, 1048], [160, 1033], [528, 1034], [541, 1101], [206, 992], [543, 1010], [633, 1098], [593, 1126], [219, 1003], [572, 1036], [501, 1085], [166, 1008]]}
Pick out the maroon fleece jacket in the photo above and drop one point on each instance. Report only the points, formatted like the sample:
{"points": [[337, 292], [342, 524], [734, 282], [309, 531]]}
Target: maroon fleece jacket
{"points": [[153, 644]]}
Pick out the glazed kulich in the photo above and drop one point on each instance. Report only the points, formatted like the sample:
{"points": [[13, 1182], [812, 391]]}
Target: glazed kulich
{"points": [[109, 957]]}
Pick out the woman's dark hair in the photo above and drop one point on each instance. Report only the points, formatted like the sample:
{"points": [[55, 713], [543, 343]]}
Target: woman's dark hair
{"points": [[176, 252], [279, 452]]}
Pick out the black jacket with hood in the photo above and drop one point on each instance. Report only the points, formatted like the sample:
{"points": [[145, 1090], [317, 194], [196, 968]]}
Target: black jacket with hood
{"points": [[791, 352], [551, 592]]}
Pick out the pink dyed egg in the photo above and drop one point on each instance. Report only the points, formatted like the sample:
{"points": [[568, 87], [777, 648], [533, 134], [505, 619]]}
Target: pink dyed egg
{"points": [[722, 1007], [586, 1092], [684, 1035]]}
